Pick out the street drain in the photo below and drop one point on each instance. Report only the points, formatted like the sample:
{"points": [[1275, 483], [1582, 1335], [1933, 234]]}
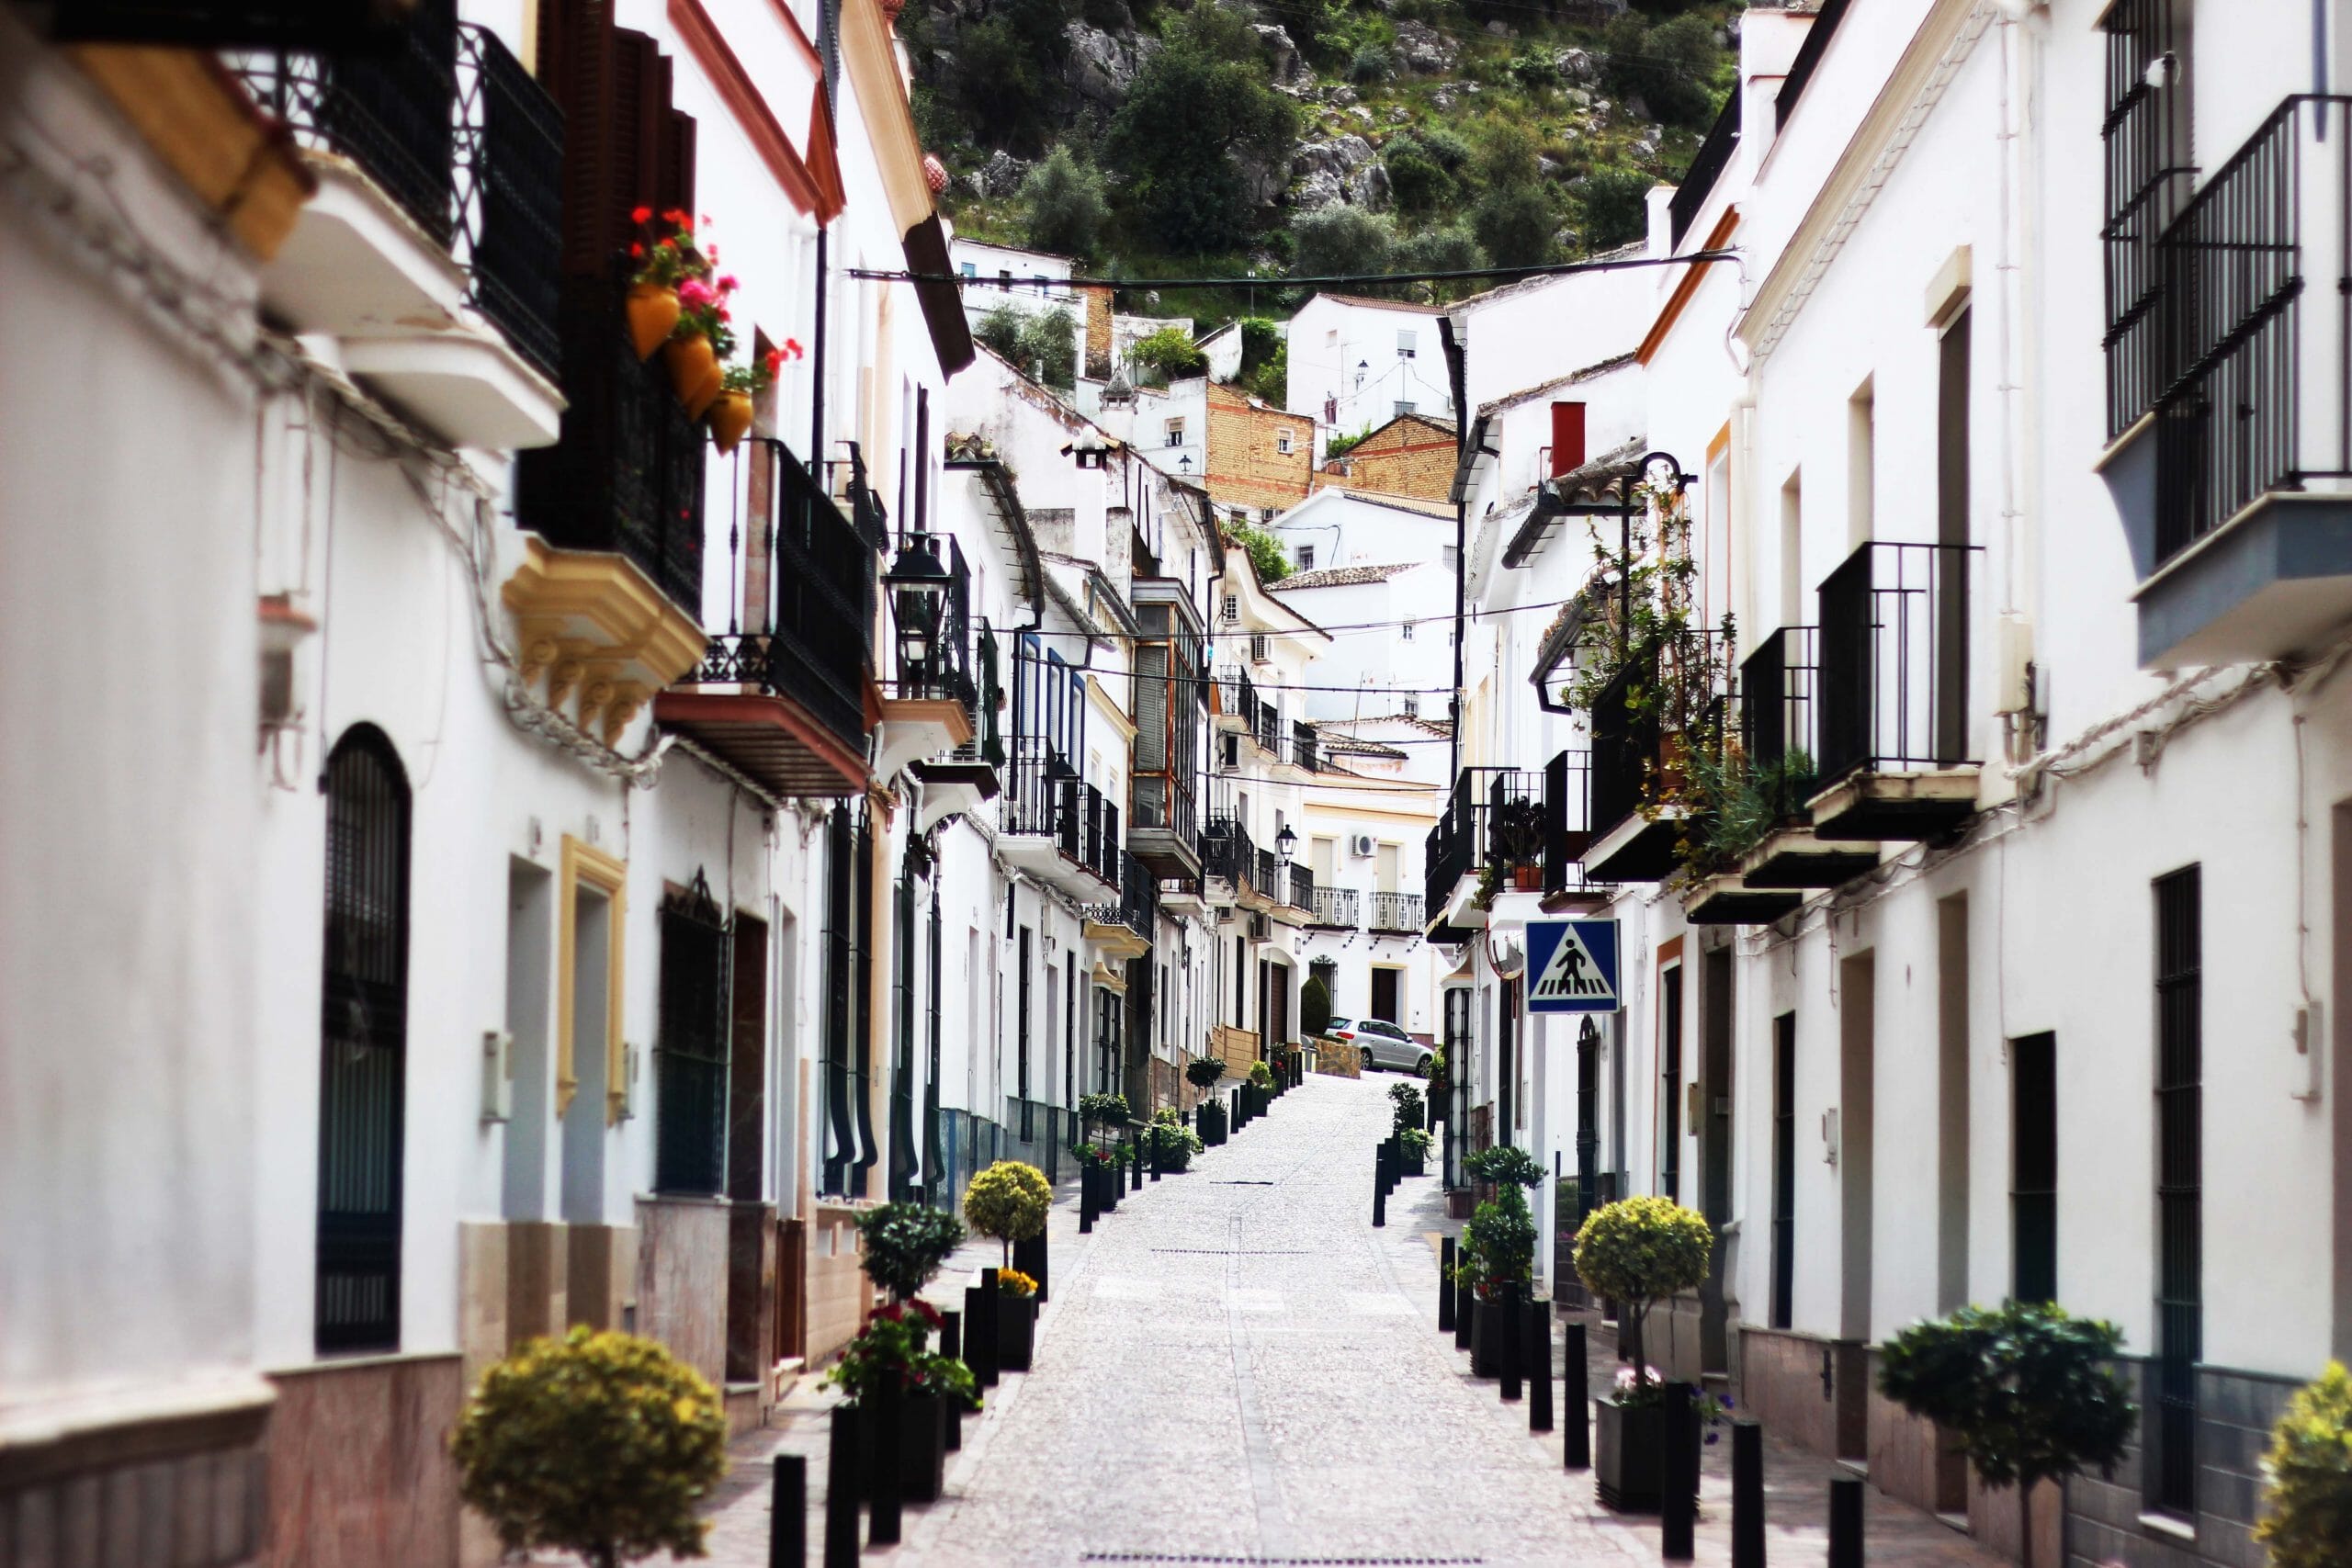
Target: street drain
{"points": [[1247, 1560], [1231, 1182], [1237, 1251]]}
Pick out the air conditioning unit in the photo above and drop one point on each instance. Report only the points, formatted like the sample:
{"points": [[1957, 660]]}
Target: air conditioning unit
{"points": [[1260, 648], [497, 1075], [1361, 845], [1258, 928]]}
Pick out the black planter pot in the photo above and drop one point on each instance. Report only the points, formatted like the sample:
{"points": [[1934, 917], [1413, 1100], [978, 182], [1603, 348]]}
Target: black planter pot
{"points": [[1628, 1456], [1409, 1163], [1210, 1123], [1488, 1323], [919, 1450], [1016, 1322]]}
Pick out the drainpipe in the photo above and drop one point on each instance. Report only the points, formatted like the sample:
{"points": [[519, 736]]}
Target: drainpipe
{"points": [[1457, 354]]}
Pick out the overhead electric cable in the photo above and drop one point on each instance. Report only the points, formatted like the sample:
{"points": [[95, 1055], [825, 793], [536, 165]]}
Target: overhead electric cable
{"points": [[1506, 273]]}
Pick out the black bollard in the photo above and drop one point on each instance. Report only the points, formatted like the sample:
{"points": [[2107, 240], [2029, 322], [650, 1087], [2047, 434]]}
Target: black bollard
{"points": [[1446, 1286], [1031, 1258], [1086, 1198], [843, 1482], [883, 1517], [1747, 1496], [788, 1514], [1379, 1191], [980, 1312], [1677, 1479], [951, 1344], [1465, 1301], [1106, 1182], [1575, 1385], [1845, 1522], [1155, 1160], [1539, 1366], [1139, 1167], [1511, 1321]]}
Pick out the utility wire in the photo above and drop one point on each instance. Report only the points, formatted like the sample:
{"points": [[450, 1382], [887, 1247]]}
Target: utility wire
{"points": [[1545, 269]]}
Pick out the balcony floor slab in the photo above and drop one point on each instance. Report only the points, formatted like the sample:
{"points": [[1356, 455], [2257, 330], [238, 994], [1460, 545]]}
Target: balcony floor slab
{"points": [[2273, 581], [1639, 848], [463, 382], [1796, 858], [1725, 900], [1901, 808]]}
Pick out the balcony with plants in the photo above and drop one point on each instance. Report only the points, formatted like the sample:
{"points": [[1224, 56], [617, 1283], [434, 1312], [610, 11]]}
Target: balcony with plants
{"points": [[1764, 823], [2234, 477], [1892, 733], [781, 694], [430, 248]]}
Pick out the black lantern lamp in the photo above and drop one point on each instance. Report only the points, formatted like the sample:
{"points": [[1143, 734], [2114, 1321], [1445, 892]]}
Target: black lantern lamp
{"points": [[1284, 842], [918, 588]]}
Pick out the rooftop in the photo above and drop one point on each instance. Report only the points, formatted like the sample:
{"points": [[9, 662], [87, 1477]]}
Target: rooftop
{"points": [[1343, 576]]}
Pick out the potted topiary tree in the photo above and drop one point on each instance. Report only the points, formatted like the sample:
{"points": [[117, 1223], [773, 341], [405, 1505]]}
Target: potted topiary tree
{"points": [[1008, 1200], [596, 1444], [1413, 1145], [2025, 1388], [905, 1244], [2310, 1472], [1204, 1073], [1637, 1252]]}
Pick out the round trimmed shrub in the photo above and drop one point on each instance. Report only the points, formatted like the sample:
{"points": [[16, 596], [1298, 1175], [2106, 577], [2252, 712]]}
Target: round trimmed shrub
{"points": [[1638, 1251], [599, 1444], [2310, 1471], [905, 1245], [1008, 1200]]}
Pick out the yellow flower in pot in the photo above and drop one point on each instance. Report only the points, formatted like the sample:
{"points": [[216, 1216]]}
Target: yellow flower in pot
{"points": [[1013, 1282]]}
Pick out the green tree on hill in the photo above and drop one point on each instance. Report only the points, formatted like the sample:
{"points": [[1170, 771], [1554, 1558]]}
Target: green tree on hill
{"points": [[1195, 112]]}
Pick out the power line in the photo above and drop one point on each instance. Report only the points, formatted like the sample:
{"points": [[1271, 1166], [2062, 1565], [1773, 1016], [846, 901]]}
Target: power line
{"points": [[1506, 273]]}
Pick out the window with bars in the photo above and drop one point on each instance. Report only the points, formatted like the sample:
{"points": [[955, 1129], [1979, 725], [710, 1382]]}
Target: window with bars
{"points": [[938, 1189], [363, 1043], [1670, 1171], [2033, 1169], [1784, 1170], [690, 1045], [905, 1167], [2145, 138], [839, 1137], [2180, 1197]]}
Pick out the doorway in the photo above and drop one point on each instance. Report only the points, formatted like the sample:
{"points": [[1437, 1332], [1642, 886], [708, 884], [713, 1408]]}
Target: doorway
{"points": [[1385, 984]]}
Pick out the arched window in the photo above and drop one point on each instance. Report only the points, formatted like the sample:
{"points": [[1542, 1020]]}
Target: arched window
{"points": [[363, 1040]]}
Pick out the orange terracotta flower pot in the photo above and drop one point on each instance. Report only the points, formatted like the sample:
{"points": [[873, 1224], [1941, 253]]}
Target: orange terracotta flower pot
{"points": [[652, 315], [690, 360], [705, 394], [729, 418]]}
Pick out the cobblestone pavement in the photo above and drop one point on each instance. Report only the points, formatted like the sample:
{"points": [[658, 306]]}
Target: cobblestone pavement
{"points": [[1235, 1367]]}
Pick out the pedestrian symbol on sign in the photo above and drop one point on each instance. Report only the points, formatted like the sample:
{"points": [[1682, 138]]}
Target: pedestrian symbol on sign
{"points": [[1575, 964]]}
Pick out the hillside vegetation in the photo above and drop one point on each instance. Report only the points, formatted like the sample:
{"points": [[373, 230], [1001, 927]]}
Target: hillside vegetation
{"points": [[1311, 137]]}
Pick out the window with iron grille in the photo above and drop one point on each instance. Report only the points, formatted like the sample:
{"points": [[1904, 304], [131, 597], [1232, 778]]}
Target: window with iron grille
{"points": [[2180, 1196], [363, 1040], [2149, 177], [690, 1045], [839, 1137], [1784, 1170], [905, 1167], [938, 1190], [1669, 1175], [2033, 1167]]}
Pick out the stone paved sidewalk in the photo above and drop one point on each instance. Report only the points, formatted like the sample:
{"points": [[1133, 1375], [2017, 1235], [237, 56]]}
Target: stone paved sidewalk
{"points": [[1235, 1367]]}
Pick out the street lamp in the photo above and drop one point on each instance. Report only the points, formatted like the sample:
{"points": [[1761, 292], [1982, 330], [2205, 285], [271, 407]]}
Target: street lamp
{"points": [[1362, 366], [918, 588], [1660, 471], [1185, 462], [1284, 842]]}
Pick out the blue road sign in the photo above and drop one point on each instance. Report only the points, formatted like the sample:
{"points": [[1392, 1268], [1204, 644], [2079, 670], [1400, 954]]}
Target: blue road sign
{"points": [[1575, 965]]}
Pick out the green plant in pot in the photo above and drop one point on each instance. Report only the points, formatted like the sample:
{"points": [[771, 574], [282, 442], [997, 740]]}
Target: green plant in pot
{"points": [[1204, 1072], [889, 1375], [905, 1244], [1168, 1142], [1412, 1112], [1638, 1252], [1517, 836], [2309, 1469], [1505, 1165], [1261, 1076], [598, 1444], [2027, 1389], [1415, 1143], [1104, 1109], [1008, 1200]]}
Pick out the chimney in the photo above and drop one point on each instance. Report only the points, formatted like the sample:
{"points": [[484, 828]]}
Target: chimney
{"points": [[1567, 439], [1098, 332]]}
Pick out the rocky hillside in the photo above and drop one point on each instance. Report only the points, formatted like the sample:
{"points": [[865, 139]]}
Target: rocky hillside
{"points": [[1168, 137]]}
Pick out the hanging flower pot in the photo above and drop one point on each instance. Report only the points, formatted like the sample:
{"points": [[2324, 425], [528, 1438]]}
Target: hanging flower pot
{"points": [[689, 359], [652, 316], [730, 417], [706, 392]]}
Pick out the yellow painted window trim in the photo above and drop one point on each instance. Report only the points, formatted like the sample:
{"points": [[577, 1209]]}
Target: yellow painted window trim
{"points": [[584, 862]]}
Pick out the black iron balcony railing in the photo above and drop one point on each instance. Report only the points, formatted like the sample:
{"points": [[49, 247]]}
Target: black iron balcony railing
{"points": [[1669, 689], [1227, 851], [1513, 820], [1138, 904], [1706, 166], [820, 648], [1301, 746], [1494, 814], [1302, 887], [1894, 645], [1031, 803], [1268, 729], [2144, 137], [1776, 697], [1337, 906], [1240, 694], [1098, 835], [1266, 877], [460, 135], [1566, 805], [1398, 912], [2256, 364]]}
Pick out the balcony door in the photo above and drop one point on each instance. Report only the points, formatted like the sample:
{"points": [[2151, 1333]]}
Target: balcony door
{"points": [[363, 1039]]}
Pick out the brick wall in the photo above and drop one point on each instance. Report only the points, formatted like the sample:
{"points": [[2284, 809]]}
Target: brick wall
{"points": [[1246, 464], [1410, 456], [1098, 332]]}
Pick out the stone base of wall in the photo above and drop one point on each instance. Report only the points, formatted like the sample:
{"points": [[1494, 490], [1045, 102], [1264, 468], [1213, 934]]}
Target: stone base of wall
{"points": [[600, 1276], [1815, 1393], [1237, 1048], [682, 1265], [358, 1464], [1338, 1061], [2104, 1521], [186, 1488], [1913, 1460], [839, 1293]]}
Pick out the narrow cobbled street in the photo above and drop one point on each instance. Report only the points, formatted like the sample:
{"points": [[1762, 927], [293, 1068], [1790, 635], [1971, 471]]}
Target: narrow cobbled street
{"points": [[1235, 1367]]}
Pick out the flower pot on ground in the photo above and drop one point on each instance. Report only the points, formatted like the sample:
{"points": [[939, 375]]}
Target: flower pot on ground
{"points": [[918, 1447], [1629, 1454], [1413, 1145], [1488, 1322], [888, 1372], [652, 316], [1169, 1143], [1016, 1321]]}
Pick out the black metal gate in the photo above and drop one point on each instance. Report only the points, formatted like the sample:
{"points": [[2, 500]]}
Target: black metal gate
{"points": [[363, 1037], [690, 1051]]}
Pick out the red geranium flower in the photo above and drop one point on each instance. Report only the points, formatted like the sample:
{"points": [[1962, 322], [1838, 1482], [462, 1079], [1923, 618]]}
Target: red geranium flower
{"points": [[641, 215], [637, 251]]}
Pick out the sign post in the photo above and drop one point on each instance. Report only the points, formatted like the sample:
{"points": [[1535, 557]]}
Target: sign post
{"points": [[1574, 965]]}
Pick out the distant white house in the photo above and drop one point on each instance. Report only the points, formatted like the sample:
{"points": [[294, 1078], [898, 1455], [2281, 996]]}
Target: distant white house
{"points": [[1358, 363], [1339, 527], [1391, 628], [1028, 283]]}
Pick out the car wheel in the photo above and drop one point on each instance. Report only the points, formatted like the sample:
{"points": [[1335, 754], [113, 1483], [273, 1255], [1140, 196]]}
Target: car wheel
{"points": [[1422, 1067], [1368, 1059]]}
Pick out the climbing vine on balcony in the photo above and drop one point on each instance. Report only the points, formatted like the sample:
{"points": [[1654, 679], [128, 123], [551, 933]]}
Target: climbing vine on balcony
{"points": [[1649, 605]]}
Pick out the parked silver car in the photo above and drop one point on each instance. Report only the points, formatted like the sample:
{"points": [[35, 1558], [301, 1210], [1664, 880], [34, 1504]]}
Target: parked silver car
{"points": [[1383, 1043]]}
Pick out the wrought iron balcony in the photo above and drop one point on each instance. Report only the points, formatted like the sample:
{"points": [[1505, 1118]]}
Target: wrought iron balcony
{"points": [[463, 139], [1226, 852], [1047, 801], [1302, 887], [1236, 698], [946, 673], [1493, 817], [1664, 699], [1268, 729], [1567, 800], [1301, 746], [1268, 877], [1776, 697], [1893, 683], [1395, 912], [1337, 906]]}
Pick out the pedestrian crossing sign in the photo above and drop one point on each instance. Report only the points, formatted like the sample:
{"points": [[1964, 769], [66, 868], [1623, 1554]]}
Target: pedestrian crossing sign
{"points": [[1575, 965]]}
